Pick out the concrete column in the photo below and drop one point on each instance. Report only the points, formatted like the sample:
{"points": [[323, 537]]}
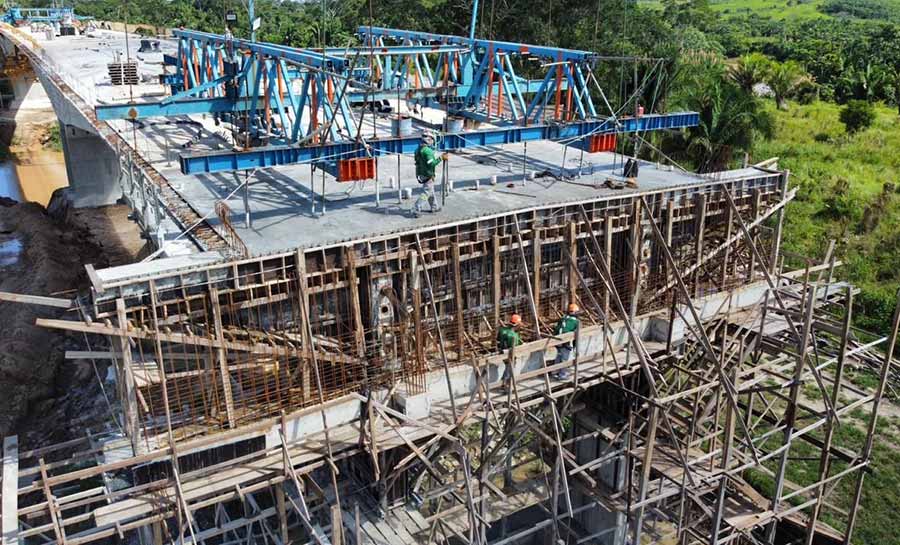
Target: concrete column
{"points": [[92, 168]]}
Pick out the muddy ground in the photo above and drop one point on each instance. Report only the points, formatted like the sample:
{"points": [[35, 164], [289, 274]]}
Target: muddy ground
{"points": [[44, 396]]}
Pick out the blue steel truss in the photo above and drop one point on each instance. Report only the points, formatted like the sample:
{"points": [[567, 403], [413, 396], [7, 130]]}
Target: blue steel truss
{"points": [[486, 76], [296, 105], [272, 156], [16, 15]]}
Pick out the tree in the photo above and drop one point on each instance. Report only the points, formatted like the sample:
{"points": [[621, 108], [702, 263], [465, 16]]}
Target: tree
{"points": [[730, 117], [785, 78], [857, 115], [750, 70]]}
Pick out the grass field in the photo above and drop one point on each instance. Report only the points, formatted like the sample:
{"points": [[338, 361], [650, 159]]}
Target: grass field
{"points": [[776, 9], [848, 191]]}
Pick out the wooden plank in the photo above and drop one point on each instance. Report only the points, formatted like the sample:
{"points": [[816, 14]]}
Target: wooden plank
{"points": [[303, 301], [94, 278], [195, 340], [458, 302], [58, 530], [129, 387], [699, 235], [726, 259], [9, 523], [608, 248], [35, 300], [418, 519], [337, 527], [353, 289], [359, 538], [282, 512], [536, 268], [496, 284], [572, 241], [221, 356], [415, 285], [91, 355]]}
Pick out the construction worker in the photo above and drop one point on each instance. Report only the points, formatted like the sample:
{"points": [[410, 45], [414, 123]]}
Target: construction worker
{"points": [[426, 162], [567, 324], [507, 336]]}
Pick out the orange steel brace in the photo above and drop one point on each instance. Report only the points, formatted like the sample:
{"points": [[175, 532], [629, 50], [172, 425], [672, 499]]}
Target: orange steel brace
{"points": [[268, 97], [184, 69], [196, 64], [209, 72], [559, 71], [221, 70], [490, 89], [280, 90], [314, 112], [500, 91]]}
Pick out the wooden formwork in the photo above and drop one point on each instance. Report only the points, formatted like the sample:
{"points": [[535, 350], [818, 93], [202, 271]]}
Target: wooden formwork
{"points": [[220, 364], [235, 347]]}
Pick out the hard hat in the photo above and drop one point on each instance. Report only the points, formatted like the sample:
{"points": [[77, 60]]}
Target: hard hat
{"points": [[573, 308], [515, 319]]}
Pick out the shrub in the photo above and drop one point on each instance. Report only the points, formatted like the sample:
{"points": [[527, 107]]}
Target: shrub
{"points": [[857, 115]]}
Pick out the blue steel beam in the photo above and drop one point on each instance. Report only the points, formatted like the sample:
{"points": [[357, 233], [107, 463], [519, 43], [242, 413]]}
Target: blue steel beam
{"points": [[272, 156], [303, 56], [394, 50], [171, 107], [545, 52]]}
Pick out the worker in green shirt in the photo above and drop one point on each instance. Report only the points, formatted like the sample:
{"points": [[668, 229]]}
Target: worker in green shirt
{"points": [[567, 324], [426, 162], [507, 336]]}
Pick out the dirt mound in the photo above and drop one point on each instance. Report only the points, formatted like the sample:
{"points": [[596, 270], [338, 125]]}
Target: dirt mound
{"points": [[40, 255]]}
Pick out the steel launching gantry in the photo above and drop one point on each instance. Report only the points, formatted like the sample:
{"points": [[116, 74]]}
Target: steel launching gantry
{"points": [[294, 105]]}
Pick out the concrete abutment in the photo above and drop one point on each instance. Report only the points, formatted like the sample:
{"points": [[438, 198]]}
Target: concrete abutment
{"points": [[92, 168]]}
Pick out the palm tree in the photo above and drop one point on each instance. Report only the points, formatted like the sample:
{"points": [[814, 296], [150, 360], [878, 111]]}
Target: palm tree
{"points": [[730, 117], [750, 70], [785, 78]]}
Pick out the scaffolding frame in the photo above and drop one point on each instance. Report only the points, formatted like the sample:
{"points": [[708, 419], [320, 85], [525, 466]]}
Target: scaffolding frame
{"points": [[233, 377]]}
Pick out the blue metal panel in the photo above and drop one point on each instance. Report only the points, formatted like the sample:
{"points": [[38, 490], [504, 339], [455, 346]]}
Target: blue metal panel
{"points": [[271, 156]]}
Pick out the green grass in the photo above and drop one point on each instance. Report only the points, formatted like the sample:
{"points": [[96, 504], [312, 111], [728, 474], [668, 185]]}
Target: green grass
{"points": [[778, 10], [848, 191], [839, 177], [877, 523]]}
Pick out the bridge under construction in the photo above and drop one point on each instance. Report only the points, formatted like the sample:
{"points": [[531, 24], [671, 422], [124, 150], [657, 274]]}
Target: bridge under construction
{"points": [[302, 360]]}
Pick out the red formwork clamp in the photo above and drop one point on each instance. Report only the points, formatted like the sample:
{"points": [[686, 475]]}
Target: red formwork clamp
{"points": [[352, 170]]}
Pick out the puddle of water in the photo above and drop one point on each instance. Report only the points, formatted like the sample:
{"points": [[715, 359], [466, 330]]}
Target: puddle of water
{"points": [[9, 181], [40, 173], [10, 250]]}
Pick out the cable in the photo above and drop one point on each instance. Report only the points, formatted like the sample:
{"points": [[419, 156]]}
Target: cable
{"points": [[87, 343]]}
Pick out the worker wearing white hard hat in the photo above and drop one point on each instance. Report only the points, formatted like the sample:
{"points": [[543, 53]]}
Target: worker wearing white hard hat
{"points": [[427, 161]]}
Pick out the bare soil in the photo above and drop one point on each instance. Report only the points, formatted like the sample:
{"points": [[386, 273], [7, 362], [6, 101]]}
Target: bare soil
{"points": [[45, 255]]}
